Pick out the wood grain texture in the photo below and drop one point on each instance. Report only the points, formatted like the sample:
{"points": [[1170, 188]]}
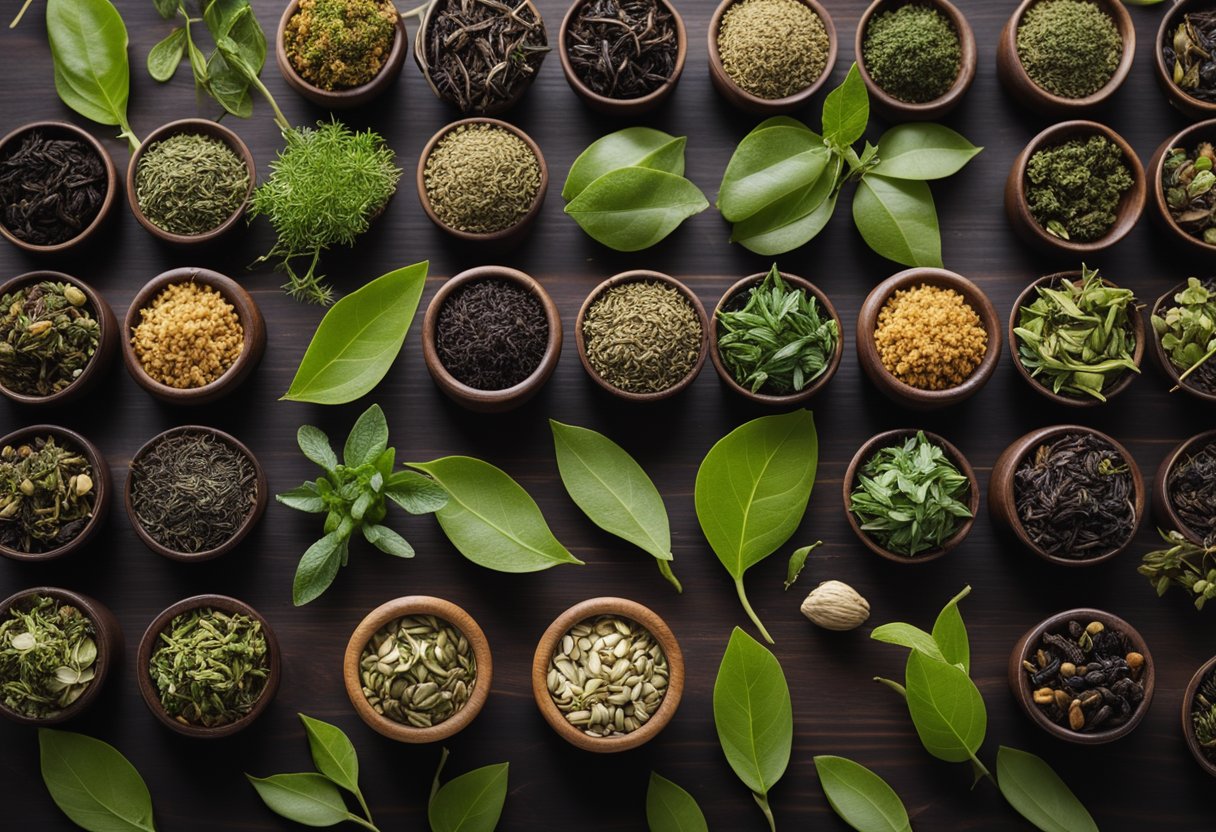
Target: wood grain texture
{"points": [[1145, 781]]}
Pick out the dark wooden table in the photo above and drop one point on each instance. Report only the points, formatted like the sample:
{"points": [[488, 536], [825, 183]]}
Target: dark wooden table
{"points": [[1145, 781]]}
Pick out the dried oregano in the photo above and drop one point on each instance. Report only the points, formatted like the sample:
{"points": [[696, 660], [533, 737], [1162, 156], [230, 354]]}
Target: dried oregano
{"points": [[1071, 48], [642, 337], [912, 53], [189, 183]]}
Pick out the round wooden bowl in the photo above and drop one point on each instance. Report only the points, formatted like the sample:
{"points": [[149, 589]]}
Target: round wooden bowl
{"points": [[417, 605], [1188, 138], [1015, 80], [1163, 506], [424, 64], [1027, 297], [905, 394], [1002, 506], [63, 130], [505, 236], [107, 340], [623, 107], [1019, 681], [101, 489], [592, 608], [206, 127], [746, 101], [148, 644], [630, 277], [1187, 104], [1188, 727], [730, 300], [895, 437], [251, 519], [1131, 204], [895, 109], [247, 311], [341, 99], [1163, 360], [107, 635], [491, 401]]}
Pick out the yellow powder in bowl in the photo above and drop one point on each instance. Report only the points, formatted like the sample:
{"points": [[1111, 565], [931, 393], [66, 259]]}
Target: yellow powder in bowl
{"points": [[930, 338]]}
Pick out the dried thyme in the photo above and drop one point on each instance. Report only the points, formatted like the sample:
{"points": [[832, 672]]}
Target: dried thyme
{"points": [[772, 48], [46, 495], [418, 670], [642, 336], [48, 335], [190, 184], [913, 53], [1071, 48], [481, 178], [47, 656]]}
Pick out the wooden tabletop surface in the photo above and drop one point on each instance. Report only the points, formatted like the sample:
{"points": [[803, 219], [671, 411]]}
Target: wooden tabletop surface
{"points": [[1145, 781]]}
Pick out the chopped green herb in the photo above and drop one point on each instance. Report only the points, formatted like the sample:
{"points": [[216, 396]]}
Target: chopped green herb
{"points": [[47, 656]]}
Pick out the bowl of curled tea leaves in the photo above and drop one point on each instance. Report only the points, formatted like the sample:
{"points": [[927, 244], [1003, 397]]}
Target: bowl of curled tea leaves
{"points": [[608, 675], [1184, 57], [1183, 172], [1184, 337], [1199, 716], [57, 648], [418, 669], [1084, 676], [1184, 490], [58, 338]]}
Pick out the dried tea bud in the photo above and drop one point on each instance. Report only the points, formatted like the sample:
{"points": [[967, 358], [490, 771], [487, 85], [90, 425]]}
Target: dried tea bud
{"points": [[74, 296], [834, 605], [1068, 669], [1076, 716], [84, 484]]}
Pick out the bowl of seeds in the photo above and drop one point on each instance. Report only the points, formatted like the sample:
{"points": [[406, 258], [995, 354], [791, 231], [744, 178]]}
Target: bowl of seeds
{"points": [[192, 336], [1182, 57], [1184, 336], [1199, 716], [1183, 173], [1184, 490], [418, 669], [642, 336], [1084, 676], [54, 492], [1070, 494], [58, 338], [608, 675], [57, 648]]}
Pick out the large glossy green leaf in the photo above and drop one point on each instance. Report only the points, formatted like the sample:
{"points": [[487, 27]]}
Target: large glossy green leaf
{"points": [[471, 802], [93, 783], [1038, 794], [768, 165], [862, 799], [491, 520], [671, 809], [950, 633], [846, 111], [632, 208], [332, 753], [307, 798], [897, 218], [644, 147], [358, 339], [946, 708], [905, 635], [793, 220], [922, 150]]}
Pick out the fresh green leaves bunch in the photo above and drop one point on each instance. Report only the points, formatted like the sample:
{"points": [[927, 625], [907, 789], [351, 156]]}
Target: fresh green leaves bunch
{"points": [[628, 190], [1076, 338], [352, 495], [93, 783], [781, 185], [1188, 330], [1184, 563], [780, 340]]}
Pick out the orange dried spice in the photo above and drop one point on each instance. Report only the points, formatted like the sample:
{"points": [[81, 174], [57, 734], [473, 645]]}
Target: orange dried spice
{"points": [[929, 337], [188, 336]]}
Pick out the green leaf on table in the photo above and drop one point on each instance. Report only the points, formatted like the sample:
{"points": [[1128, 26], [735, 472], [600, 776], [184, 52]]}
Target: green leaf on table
{"points": [[387, 540], [305, 497], [491, 519], [166, 8], [235, 20], [307, 798], [897, 218], [793, 220], [950, 633], [166, 55], [768, 165], [922, 150], [414, 492], [318, 567], [333, 753], [671, 809], [905, 635], [798, 562], [1038, 794], [358, 339], [368, 438], [315, 445], [93, 783], [946, 708], [846, 111], [862, 799], [642, 147], [471, 802], [633, 208]]}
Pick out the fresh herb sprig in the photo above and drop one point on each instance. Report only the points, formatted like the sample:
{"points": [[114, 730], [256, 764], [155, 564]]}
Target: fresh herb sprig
{"points": [[1182, 563], [1188, 332]]}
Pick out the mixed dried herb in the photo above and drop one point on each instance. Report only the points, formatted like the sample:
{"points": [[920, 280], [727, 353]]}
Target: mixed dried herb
{"points": [[418, 670], [1188, 334], [1182, 563], [1073, 189], [1203, 715], [190, 183], [930, 337], [913, 53], [48, 335], [481, 178], [622, 48], [50, 189], [46, 495], [1190, 190], [1191, 488], [338, 44], [48, 656], [642, 336], [492, 334], [1071, 48], [1190, 53], [772, 48], [188, 335]]}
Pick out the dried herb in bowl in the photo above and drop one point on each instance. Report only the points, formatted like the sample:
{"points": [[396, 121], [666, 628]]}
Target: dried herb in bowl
{"points": [[622, 48], [481, 178], [190, 184], [913, 53], [1191, 488], [492, 334], [642, 336], [50, 189], [1203, 715], [1189, 182], [48, 335], [46, 495], [418, 670], [1191, 55], [1188, 334], [930, 337], [1073, 190], [1071, 48], [188, 335], [47, 656], [339, 44], [772, 48]]}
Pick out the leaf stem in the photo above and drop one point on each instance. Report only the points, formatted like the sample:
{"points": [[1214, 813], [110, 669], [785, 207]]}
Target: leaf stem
{"points": [[20, 14], [981, 771], [443, 758], [750, 612], [665, 569], [762, 802], [893, 685], [279, 118], [366, 824]]}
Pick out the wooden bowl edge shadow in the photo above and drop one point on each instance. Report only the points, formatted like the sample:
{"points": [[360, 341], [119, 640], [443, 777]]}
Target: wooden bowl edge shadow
{"points": [[1188, 729]]}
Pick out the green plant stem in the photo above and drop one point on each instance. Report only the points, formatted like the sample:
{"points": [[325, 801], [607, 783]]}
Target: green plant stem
{"points": [[417, 11], [363, 805], [665, 569], [750, 612], [20, 14], [893, 685], [981, 771], [1193, 368], [762, 802], [279, 118], [366, 824]]}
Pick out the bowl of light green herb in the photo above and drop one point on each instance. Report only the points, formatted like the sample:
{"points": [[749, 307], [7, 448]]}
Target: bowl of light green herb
{"points": [[1184, 337]]}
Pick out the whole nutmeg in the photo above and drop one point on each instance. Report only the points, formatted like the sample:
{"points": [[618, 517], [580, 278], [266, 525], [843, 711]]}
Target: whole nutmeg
{"points": [[834, 605]]}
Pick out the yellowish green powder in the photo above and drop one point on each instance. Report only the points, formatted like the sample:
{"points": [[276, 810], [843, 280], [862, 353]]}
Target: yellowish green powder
{"points": [[772, 48]]}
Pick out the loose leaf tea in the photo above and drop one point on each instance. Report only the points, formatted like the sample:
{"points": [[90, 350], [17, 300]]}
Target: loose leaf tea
{"points": [[418, 670], [338, 44], [860, 797], [1188, 334], [491, 334], [1071, 48], [471, 802], [671, 809], [1191, 488], [772, 48], [481, 178], [188, 335], [930, 337], [642, 336], [1189, 182], [912, 52], [48, 335], [50, 189], [1073, 190], [48, 656], [93, 783], [46, 495], [1185, 563], [622, 48], [190, 183], [1203, 715], [1190, 54]]}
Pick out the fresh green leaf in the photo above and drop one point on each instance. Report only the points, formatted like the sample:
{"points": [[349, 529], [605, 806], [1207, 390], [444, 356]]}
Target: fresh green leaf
{"points": [[387, 541], [1038, 794], [333, 753], [905, 635], [358, 339], [950, 633], [309, 799], [633, 208], [415, 493], [768, 165], [793, 220], [368, 438], [846, 111], [235, 20], [303, 498], [862, 799], [643, 147], [318, 567], [166, 8], [922, 150], [93, 783], [315, 445], [798, 562], [752, 489], [491, 520], [164, 57], [471, 802], [898, 220], [946, 707], [228, 86], [671, 809]]}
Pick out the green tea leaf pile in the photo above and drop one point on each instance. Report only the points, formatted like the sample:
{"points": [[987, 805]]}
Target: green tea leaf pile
{"points": [[48, 335], [1071, 48], [47, 656], [190, 183], [46, 494], [642, 336]]}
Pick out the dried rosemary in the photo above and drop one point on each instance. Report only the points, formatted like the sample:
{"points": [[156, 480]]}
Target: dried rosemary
{"points": [[46, 495], [642, 337], [418, 670], [190, 184], [47, 656], [48, 335]]}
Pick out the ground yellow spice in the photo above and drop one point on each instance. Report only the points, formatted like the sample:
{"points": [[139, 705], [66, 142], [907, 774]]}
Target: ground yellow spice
{"points": [[188, 336], [929, 337]]}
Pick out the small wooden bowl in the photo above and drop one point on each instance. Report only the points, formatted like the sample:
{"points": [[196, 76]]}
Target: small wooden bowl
{"points": [[1131, 204], [894, 437], [746, 101], [417, 605], [1027, 297], [1189, 105], [107, 635], [1188, 138], [630, 277], [1163, 360], [491, 401], [1019, 681], [1188, 728], [905, 394], [592, 608], [505, 236], [1002, 505], [107, 340], [729, 301], [211, 129], [624, 107], [420, 58], [64, 130], [251, 519], [1015, 80], [148, 644], [252, 347], [896, 110], [1163, 506], [101, 489], [342, 99]]}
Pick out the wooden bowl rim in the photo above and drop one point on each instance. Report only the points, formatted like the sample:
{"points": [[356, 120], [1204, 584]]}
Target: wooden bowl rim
{"points": [[348, 96], [1159, 351], [1180, 139], [1164, 74], [1161, 496], [1188, 728], [639, 614]]}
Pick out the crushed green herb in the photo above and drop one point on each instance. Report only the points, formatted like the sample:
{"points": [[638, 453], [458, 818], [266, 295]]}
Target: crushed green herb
{"points": [[1188, 333], [642, 336], [772, 48], [913, 53], [47, 656], [338, 44], [46, 495], [481, 178], [190, 184], [1073, 189], [48, 335], [1071, 48]]}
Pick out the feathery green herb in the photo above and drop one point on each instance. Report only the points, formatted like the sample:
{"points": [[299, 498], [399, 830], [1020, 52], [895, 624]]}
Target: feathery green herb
{"points": [[47, 656], [1182, 563]]}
